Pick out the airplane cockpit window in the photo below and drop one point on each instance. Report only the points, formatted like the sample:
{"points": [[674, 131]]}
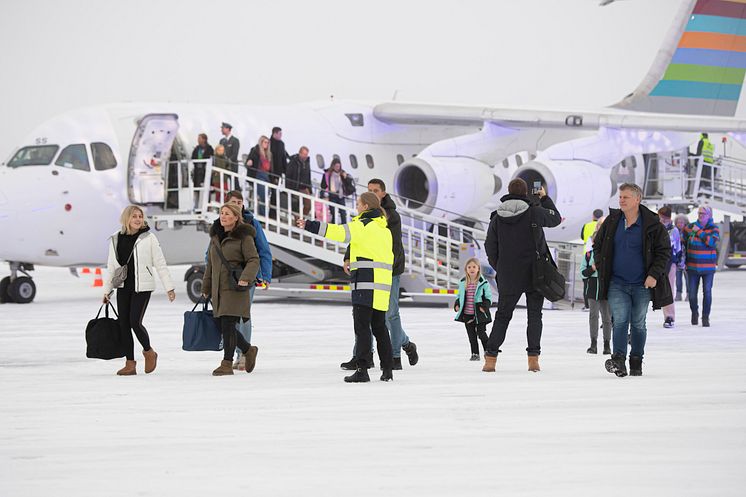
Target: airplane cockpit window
{"points": [[103, 157], [40, 155], [74, 157]]}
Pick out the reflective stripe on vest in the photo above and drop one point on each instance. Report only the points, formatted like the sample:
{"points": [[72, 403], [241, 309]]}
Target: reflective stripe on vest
{"points": [[371, 265], [373, 286], [322, 228], [348, 235]]}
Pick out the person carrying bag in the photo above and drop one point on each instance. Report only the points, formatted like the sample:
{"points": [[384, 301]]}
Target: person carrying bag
{"points": [[200, 331], [232, 247]]}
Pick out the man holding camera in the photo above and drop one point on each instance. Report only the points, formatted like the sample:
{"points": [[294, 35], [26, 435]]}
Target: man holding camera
{"points": [[511, 250]]}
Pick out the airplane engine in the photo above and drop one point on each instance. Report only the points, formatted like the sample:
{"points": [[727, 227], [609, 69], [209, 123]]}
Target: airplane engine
{"points": [[576, 187], [454, 184]]}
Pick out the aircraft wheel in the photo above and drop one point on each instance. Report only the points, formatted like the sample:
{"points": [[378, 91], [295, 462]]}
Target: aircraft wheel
{"points": [[22, 290], [194, 286], [4, 290]]}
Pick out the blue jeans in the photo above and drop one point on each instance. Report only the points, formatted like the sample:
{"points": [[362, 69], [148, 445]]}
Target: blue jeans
{"points": [[629, 307], [261, 192], [707, 279], [393, 321], [244, 327]]}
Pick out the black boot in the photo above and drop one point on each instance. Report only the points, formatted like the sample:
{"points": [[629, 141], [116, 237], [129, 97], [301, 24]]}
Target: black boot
{"points": [[695, 319], [616, 365], [411, 350], [706, 321], [635, 366], [593, 349], [359, 376], [350, 365], [397, 363], [607, 347], [387, 375]]}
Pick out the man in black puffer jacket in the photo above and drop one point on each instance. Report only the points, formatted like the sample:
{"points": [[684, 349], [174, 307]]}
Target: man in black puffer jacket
{"points": [[511, 250], [399, 339]]}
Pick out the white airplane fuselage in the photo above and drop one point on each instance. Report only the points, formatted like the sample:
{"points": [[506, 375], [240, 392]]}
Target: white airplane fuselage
{"points": [[58, 215]]}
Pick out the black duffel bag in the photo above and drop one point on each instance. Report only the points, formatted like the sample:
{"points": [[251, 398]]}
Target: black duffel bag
{"points": [[103, 336], [547, 280]]}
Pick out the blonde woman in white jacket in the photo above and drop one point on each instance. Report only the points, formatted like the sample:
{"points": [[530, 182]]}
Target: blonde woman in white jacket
{"points": [[137, 247]]}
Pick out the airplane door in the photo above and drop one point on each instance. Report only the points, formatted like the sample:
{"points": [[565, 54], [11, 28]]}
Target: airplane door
{"points": [[148, 159]]}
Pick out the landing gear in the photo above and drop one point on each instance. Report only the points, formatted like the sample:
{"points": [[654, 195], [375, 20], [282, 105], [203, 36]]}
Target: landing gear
{"points": [[15, 288], [193, 278]]}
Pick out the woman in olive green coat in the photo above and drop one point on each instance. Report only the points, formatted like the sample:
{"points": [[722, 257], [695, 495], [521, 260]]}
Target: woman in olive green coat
{"points": [[230, 299]]}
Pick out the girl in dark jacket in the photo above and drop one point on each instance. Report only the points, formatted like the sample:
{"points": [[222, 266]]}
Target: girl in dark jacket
{"points": [[473, 305], [595, 303], [235, 241]]}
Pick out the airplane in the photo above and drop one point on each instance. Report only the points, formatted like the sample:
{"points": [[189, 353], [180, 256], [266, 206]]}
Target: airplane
{"points": [[63, 189]]}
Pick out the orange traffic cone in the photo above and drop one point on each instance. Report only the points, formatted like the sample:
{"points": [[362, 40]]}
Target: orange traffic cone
{"points": [[99, 281], [86, 270]]}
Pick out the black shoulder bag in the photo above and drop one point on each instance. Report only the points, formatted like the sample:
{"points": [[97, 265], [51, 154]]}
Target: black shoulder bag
{"points": [[234, 273], [547, 279]]}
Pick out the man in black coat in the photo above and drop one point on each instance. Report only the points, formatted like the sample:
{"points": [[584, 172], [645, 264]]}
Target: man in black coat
{"points": [[231, 144], [279, 155], [631, 252], [298, 178], [511, 250], [399, 339]]}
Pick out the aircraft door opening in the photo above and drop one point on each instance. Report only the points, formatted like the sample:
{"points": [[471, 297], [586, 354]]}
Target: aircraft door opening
{"points": [[148, 158]]}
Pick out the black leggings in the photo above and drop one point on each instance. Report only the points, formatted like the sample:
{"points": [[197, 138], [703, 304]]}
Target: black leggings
{"points": [[231, 337], [131, 307], [474, 330], [366, 320]]}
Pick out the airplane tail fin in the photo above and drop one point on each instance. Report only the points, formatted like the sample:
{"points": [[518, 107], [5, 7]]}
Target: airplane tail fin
{"points": [[700, 67]]}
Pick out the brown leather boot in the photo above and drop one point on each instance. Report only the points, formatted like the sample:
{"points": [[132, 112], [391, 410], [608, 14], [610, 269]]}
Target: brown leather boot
{"points": [[533, 363], [129, 369], [225, 368], [489, 364], [151, 360], [251, 358]]}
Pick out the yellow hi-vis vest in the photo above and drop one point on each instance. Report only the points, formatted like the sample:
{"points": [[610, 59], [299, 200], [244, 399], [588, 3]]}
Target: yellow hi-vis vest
{"points": [[588, 229], [371, 257], [708, 151]]}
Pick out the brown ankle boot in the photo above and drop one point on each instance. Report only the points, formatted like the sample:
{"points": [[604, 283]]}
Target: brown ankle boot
{"points": [[151, 360], [251, 358], [533, 363], [129, 369], [489, 364], [225, 368]]}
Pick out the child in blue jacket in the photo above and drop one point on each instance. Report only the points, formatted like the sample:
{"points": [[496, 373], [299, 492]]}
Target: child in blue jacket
{"points": [[473, 305]]}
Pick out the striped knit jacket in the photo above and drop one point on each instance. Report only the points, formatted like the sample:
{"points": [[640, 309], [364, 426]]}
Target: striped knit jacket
{"points": [[701, 247]]}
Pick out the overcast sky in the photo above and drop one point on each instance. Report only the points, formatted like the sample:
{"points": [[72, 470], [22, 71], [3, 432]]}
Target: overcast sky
{"points": [[59, 55]]}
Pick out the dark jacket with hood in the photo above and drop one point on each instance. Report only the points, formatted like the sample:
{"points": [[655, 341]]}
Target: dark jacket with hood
{"points": [[239, 250], [656, 252], [279, 157], [510, 245]]}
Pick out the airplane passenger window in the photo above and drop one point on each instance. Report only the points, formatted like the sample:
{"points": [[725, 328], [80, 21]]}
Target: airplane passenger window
{"points": [[335, 156], [103, 157], [369, 161], [75, 157], [320, 161], [41, 155], [353, 161], [518, 160], [399, 159]]}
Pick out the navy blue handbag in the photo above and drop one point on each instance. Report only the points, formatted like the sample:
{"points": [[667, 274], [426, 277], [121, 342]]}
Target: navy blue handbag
{"points": [[200, 330]]}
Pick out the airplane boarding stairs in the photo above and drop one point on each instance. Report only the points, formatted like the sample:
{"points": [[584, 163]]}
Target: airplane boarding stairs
{"points": [[310, 266]]}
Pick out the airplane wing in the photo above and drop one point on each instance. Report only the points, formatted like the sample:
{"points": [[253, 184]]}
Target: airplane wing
{"points": [[453, 115]]}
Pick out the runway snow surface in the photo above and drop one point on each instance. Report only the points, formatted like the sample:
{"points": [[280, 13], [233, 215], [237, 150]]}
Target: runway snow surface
{"points": [[70, 427]]}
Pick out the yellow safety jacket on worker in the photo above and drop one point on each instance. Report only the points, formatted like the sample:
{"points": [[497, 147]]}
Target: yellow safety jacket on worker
{"points": [[708, 151], [588, 229], [371, 256]]}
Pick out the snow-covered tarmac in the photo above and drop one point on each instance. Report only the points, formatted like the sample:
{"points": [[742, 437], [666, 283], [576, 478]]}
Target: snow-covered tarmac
{"points": [[70, 427]]}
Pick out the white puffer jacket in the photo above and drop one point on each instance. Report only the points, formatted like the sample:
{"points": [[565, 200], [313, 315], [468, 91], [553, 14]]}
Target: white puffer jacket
{"points": [[148, 259]]}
